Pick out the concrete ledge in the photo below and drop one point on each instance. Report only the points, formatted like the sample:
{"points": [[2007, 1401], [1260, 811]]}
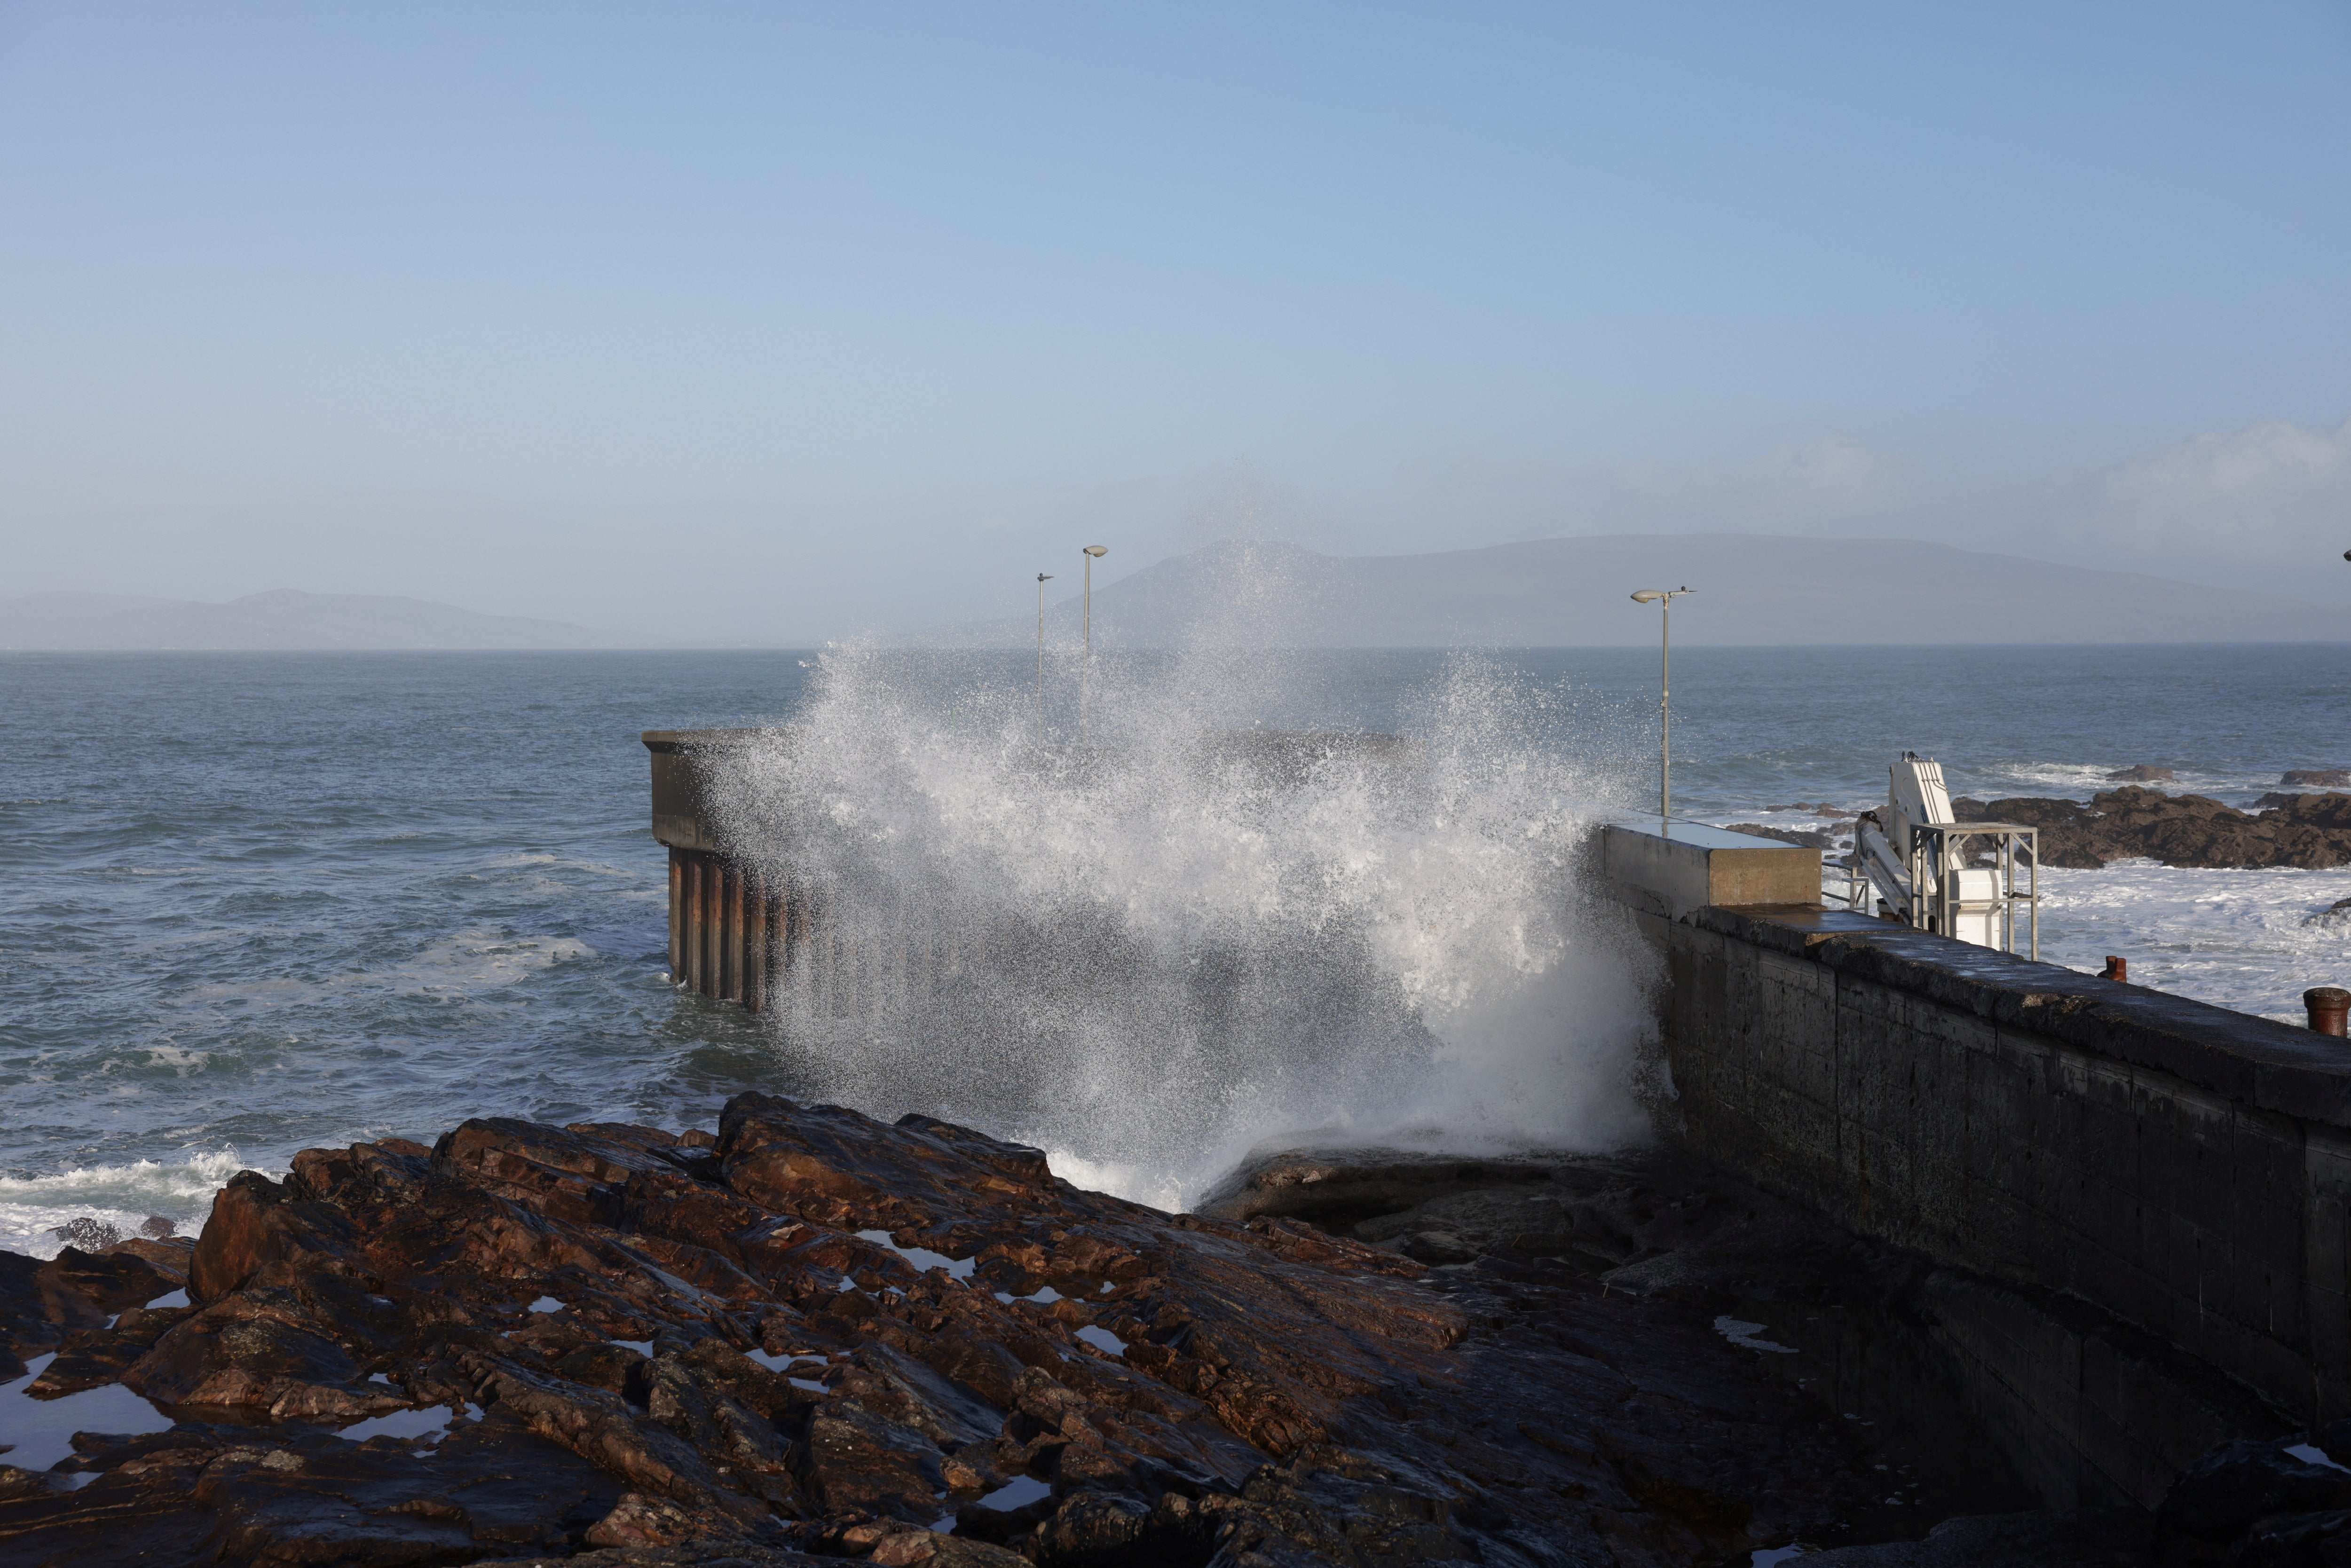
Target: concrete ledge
{"points": [[1670, 867], [678, 818], [2255, 1060]]}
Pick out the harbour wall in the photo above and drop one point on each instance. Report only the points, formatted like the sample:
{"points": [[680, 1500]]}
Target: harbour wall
{"points": [[2138, 1206]]}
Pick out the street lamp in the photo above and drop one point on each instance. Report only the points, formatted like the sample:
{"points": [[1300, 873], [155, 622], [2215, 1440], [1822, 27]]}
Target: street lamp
{"points": [[1664, 599], [1086, 670], [1042, 578]]}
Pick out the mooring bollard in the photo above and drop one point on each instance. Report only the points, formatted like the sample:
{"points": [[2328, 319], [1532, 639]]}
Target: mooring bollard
{"points": [[2328, 1006], [2117, 969]]}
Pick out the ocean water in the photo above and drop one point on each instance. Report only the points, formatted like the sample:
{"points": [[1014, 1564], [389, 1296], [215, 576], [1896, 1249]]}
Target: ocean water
{"points": [[254, 903]]}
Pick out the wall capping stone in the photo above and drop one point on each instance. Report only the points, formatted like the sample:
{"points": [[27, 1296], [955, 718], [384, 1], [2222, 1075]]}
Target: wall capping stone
{"points": [[2275, 1066]]}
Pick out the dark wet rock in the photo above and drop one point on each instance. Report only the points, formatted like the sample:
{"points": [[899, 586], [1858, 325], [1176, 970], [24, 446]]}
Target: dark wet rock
{"points": [[2143, 773], [647, 1351], [2311, 832], [703, 1556], [43, 1303], [2316, 777], [2084, 1538], [2225, 1492]]}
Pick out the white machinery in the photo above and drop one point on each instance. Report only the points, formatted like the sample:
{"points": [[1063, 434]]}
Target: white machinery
{"points": [[1926, 869]]}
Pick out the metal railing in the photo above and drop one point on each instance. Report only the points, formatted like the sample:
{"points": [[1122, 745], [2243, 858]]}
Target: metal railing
{"points": [[1939, 853]]}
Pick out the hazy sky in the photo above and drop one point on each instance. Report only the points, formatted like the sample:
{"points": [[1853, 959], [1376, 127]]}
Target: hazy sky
{"points": [[774, 321]]}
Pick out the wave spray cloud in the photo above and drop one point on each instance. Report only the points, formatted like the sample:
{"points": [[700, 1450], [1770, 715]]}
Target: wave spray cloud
{"points": [[1191, 931]]}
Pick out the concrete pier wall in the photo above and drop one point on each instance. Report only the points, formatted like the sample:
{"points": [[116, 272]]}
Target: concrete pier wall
{"points": [[2140, 1200], [737, 937], [730, 931]]}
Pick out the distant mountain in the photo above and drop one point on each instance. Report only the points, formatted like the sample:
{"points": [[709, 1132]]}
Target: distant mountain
{"points": [[1751, 589], [282, 619]]}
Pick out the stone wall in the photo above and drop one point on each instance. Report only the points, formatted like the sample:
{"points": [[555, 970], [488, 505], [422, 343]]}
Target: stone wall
{"points": [[2145, 1196]]}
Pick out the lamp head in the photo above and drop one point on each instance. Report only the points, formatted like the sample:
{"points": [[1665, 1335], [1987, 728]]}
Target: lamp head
{"points": [[1647, 596], [1044, 576], [1098, 552]]}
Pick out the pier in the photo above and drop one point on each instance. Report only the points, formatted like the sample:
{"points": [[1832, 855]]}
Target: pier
{"points": [[730, 928], [2136, 1207], [734, 932]]}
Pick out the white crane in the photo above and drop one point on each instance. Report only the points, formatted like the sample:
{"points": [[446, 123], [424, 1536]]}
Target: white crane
{"points": [[1924, 867]]}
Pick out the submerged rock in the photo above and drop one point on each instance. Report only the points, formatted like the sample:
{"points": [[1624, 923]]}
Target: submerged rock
{"points": [[814, 1334]]}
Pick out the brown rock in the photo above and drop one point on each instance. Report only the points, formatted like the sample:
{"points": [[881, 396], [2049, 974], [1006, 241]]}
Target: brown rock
{"points": [[256, 1221], [2306, 831], [1283, 1393]]}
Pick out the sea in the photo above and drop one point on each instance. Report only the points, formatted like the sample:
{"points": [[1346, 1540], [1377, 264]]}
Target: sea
{"points": [[252, 902]]}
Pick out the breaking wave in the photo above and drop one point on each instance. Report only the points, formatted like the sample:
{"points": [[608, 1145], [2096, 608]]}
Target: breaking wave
{"points": [[124, 1196], [1150, 949]]}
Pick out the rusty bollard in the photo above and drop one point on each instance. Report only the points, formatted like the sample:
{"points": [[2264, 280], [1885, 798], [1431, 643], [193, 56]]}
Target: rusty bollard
{"points": [[2328, 1006], [2117, 969]]}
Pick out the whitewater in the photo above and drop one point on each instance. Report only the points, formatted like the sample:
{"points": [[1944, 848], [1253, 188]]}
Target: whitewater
{"points": [[1154, 937]]}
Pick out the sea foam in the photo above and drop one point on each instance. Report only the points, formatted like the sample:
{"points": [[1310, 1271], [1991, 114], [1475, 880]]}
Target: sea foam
{"points": [[124, 1197]]}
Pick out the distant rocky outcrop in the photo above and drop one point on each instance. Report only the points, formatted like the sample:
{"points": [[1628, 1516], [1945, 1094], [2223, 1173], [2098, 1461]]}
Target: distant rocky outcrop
{"points": [[2308, 831], [2143, 773], [2316, 777], [1822, 809]]}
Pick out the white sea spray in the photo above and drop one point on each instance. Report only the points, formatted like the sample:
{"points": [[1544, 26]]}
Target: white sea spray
{"points": [[1150, 951]]}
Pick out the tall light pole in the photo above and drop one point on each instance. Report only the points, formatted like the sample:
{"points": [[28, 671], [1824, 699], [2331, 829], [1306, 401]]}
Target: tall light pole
{"points": [[1042, 578], [1664, 598], [1086, 670]]}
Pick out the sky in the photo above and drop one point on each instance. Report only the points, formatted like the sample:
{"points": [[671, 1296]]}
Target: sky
{"points": [[773, 322]]}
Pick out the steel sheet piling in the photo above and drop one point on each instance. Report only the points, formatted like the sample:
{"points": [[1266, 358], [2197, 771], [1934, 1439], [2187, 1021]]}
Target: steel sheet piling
{"points": [[690, 974], [712, 892], [676, 910]]}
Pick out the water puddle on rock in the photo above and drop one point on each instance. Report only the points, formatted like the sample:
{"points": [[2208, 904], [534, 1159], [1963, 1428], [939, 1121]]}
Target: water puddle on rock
{"points": [[434, 1421], [923, 1257], [1018, 1492], [39, 1432], [2311, 1454]]}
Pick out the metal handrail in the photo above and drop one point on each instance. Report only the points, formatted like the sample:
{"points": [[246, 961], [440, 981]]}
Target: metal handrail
{"points": [[1931, 846]]}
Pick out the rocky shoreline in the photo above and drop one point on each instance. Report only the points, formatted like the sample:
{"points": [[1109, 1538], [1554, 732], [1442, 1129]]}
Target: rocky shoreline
{"points": [[2308, 831], [812, 1335]]}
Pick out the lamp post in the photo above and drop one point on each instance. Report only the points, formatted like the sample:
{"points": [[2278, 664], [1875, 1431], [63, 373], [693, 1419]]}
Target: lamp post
{"points": [[1042, 578], [1086, 670], [1664, 599]]}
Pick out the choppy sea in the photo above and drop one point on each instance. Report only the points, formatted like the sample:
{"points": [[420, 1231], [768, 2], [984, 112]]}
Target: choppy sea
{"points": [[254, 903]]}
